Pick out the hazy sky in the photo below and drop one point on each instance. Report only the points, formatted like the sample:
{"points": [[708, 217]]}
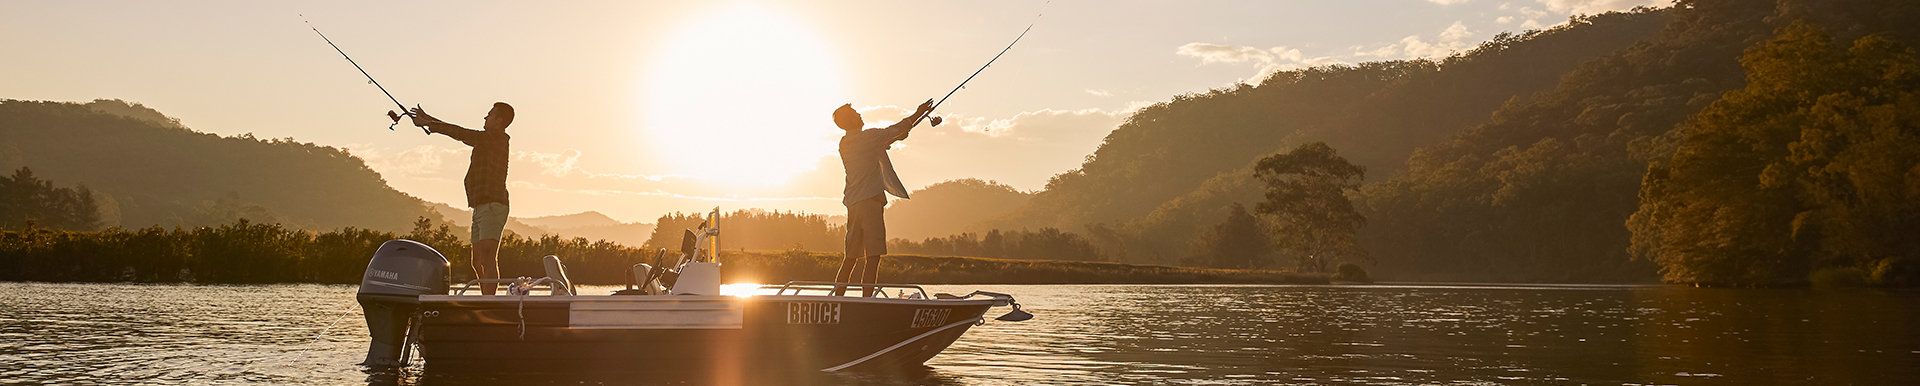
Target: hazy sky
{"points": [[636, 108]]}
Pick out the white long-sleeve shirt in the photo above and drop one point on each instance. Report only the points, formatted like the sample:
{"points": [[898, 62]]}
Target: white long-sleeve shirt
{"points": [[869, 171]]}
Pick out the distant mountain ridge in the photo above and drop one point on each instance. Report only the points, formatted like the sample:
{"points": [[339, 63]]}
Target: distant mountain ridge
{"points": [[590, 224], [154, 171], [576, 220]]}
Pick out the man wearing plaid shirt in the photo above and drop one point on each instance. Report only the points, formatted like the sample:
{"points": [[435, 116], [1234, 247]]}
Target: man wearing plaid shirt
{"points": [[486, 183]]}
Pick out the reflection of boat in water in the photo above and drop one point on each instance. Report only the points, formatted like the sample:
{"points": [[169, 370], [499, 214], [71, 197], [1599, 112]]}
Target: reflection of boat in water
{"points": [[670, 318]]}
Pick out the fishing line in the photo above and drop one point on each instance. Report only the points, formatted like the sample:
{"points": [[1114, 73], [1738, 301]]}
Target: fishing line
{"points": [[996, 57], [363, 71], [323, 333]]}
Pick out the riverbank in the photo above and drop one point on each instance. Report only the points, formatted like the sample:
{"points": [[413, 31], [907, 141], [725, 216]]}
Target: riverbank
{"points": [[782, 266], [246, 253]]}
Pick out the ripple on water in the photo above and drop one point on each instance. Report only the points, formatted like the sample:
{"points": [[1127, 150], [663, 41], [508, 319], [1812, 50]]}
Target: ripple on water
{"points": [[1384, 335]]}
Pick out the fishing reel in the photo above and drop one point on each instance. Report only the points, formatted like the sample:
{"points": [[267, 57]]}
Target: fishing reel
{"points": [[396, 120], [936, 121]]}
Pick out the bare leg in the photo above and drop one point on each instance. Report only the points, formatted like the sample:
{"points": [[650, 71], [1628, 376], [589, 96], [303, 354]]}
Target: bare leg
{"points": [[849, 267], [486, 263], [872, 274]]}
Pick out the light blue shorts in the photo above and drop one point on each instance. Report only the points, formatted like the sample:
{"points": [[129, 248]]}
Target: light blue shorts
{"points": [[489, 220]]}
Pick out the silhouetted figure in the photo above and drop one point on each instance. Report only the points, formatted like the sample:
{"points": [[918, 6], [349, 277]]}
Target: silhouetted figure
{"points": [[486, 183], [870, 177]]}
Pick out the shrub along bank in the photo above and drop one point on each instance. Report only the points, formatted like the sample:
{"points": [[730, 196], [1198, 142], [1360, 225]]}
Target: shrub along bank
{"points": [[248, 253]]}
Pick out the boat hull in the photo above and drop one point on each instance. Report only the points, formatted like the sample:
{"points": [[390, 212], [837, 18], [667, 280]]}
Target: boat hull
{"points": [[721, 334]]}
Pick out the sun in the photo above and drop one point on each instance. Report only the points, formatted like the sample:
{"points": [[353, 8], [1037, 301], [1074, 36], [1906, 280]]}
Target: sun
{"points": [[743, 96]]}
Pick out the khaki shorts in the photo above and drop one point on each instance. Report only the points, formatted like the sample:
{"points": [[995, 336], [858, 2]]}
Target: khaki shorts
{"points": [[867, 227], [489, 220]]}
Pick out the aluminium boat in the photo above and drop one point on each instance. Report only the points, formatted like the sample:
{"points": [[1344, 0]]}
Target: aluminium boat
{"points": [[671, 317]]}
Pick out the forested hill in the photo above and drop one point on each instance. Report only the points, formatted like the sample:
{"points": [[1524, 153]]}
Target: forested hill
{"points": [[1543, 192], [1174, 167], [153, 171], [1524, 159]]}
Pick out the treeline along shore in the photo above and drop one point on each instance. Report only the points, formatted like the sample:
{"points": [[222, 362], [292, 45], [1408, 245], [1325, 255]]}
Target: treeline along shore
{"points": [[252, 253]]}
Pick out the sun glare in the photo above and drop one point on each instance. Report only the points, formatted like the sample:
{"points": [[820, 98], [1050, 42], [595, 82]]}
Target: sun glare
{"points": [[744, 96]]}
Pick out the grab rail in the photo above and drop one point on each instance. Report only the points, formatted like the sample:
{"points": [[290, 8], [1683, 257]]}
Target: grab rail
{"points": [[835, 288]]}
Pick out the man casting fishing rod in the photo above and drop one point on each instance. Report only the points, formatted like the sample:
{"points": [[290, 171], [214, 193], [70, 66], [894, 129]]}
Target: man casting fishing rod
{"points": [[870, 177], [486, 173], [486, 183]]}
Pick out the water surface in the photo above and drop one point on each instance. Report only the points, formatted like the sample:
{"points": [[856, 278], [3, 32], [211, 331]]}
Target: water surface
{"points": [[1107, 334]]}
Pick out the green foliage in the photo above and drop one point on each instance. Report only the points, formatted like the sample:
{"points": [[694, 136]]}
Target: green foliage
{"points": [[754, 229], [1046, 244], [1539, 192], [1812, 168], [155, 172], [1838, 277], [1348, 271], [1898, 272], [25, 199], [1306, 197], [1171, 170], [249, 253], [780, 267], [1237, 243]]}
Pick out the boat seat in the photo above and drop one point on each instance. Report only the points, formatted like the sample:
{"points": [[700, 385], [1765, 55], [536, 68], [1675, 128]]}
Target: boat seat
{"points": [[558, 272]]}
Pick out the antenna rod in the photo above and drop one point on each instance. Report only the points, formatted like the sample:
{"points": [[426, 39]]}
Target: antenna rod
{"points": [[363, 71]]}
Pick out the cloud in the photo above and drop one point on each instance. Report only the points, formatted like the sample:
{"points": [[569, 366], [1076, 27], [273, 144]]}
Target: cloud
{"points": [[1453, 39], [1590, 7], [424, 160], [1269, 60], [553, 164], [1037, 122], [1022, 150], [1103, 93], [1532, 13], [1560, 9]]}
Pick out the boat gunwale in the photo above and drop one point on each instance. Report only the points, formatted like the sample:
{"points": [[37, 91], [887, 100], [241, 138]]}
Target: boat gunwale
{"points": [[691, 298]]}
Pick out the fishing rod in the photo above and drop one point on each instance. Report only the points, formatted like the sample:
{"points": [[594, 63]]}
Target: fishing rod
{"points": [[996, 57], [396, 101]]}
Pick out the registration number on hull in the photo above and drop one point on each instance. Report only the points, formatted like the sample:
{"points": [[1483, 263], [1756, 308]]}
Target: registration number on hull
{"points": [[813, 313], [930, 317]]}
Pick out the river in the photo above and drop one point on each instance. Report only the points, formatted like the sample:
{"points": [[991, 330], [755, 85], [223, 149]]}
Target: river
{"points": [[1082, 334]]}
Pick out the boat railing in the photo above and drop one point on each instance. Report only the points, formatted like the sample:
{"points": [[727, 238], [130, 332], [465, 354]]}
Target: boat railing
{"points": [[551, 285], [832, 288]]}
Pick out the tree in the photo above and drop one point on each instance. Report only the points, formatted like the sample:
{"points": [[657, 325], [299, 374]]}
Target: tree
{"points": [[1237, 243], [25, 198], [1307, 200], [1814, 165]]}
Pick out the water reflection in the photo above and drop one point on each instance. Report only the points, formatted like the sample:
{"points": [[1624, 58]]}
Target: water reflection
{"points": [[135, 334]]}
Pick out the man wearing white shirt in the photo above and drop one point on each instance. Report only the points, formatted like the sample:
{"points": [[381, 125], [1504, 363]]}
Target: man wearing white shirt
{"points": [[870, 177]]}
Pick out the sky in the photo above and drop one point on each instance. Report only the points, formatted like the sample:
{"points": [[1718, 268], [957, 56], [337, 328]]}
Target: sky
{"points": [[639, 108]]}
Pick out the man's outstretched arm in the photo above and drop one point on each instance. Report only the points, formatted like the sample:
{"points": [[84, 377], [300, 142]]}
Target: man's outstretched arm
{"points": [[905, 126], [435, 125]]}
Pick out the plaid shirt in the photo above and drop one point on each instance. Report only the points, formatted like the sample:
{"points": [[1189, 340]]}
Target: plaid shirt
{"points": [[487, 172]]}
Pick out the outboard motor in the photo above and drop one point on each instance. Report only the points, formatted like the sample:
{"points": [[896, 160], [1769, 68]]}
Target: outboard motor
{"points": [[400, 272]]}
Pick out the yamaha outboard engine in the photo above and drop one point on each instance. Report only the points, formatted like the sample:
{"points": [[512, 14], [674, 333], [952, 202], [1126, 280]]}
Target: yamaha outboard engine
{"points": [[400, 272]]}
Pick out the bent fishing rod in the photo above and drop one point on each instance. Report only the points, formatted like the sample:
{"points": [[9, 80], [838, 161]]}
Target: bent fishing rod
{"points": [[396, 101], [963, 83]]}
